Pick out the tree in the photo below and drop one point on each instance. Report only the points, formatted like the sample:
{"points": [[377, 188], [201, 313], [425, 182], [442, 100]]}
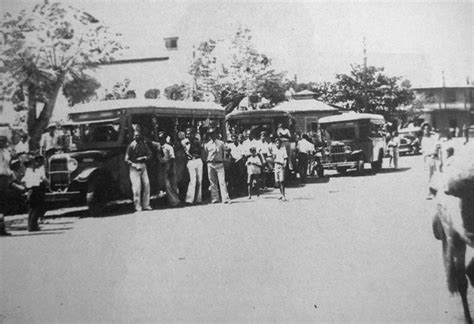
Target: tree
{"points": [[369, 90], [152, 94], [177, 92], [80, 89], [234, 69], [44, 49], [120, 90]]}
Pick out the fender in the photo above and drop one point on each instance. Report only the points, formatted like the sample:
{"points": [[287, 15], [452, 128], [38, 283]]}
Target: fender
{"points": [[86, 174], [356, 155]]}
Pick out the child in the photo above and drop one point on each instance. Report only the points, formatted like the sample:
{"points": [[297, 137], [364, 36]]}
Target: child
{"points": [[36, 182], [254, 165], [280, 158]]}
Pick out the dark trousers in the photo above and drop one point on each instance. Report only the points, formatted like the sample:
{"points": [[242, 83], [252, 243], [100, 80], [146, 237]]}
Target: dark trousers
{"points": [[36, 207], [303, 165]]}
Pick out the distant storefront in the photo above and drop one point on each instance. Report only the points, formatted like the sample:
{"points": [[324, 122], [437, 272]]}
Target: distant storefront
{"points": [[447, 107]]}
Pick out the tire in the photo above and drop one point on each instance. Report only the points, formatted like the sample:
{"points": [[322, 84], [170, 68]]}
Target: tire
{"points": [[97, 196], [320, 171], [341, 170], [377, 165], [360, 167]]}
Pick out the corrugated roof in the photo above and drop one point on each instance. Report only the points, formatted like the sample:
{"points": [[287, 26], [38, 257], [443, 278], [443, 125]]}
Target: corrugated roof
{"points": [[350, 117], [143, 103], [305, 105]]}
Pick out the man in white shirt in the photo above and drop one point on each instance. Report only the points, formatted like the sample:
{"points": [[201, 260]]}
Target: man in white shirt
{"points": [[280, 159], [430, 148], [214, 151], [237, 165], [5, 178], [305, 149], [49, 142], [35, 181]]}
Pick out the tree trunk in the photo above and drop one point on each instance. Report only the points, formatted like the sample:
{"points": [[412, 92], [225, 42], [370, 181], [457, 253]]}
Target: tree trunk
{"points": [[36, 126]]}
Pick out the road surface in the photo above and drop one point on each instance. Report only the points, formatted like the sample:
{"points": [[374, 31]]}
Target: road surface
{"points": [[343, 249]]}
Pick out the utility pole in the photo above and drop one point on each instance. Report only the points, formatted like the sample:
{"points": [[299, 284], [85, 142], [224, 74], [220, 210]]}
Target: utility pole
{"points": [[444, 88], [365, 75]]}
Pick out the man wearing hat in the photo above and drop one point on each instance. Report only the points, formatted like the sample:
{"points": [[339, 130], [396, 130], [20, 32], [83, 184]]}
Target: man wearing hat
{"points": [[49, 142], [5, 178], [214, 151]]}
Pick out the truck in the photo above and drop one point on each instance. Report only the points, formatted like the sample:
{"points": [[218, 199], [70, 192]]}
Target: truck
{"points": [[351, 140]]}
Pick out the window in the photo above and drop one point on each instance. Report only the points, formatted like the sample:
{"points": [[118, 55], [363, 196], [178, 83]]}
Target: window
{"points": [[171, 43], [451, 95]]}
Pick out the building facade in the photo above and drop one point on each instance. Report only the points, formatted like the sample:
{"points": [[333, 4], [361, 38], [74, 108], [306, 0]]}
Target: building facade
{"points": [[447, 108]]}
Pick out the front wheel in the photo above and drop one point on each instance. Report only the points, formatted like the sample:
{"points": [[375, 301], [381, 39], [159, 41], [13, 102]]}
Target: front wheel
{"points": [[341, 170], [376, 166], [97, 197], [360, 167], [320, 171]]}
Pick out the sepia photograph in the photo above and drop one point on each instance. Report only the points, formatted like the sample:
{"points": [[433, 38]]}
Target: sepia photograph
{"points": [[236, 161]]}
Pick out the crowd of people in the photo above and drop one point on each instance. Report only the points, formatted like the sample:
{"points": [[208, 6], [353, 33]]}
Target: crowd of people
{"points": [[189, 169], [195, 165]]}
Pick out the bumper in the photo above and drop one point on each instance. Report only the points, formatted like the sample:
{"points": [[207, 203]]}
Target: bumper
{"points": [[62, 196], [347, 164]]}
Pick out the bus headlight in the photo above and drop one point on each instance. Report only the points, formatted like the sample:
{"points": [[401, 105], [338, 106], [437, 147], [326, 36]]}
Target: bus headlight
{"points": [[72, 165], [347, 149]]}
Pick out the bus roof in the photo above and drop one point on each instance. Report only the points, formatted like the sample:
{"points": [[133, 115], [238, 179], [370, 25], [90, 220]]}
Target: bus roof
{"points": [[171, 107], [351, 117], [260, 113]]}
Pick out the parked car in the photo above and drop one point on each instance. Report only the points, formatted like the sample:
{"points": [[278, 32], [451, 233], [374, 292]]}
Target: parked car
{"points": [[409, 141]]}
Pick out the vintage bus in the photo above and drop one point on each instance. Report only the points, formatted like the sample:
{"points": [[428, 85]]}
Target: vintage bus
{"points": [[92, 170], [351, 140]]}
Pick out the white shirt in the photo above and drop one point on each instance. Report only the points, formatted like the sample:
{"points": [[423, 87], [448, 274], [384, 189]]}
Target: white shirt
{"points": [[429, 145], [305, 146], [251, 167], [236, 151], [279, 155], [5, 158], [22, 147], [48, 142], [34, 177], [262, 147], [247, 144]]}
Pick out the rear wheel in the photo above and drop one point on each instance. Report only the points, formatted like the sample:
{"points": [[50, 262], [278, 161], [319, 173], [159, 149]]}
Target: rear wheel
{"points": [[341, 170], [97, 196], [377, 165], [360, 167], [320, 171]]}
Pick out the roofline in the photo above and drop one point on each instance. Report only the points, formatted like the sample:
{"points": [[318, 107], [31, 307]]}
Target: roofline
{"points": [[467, 86], [137, 60], [349, 117]]}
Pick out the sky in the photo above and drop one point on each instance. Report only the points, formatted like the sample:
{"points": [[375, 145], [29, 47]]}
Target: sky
{"points": [[313, 40]]}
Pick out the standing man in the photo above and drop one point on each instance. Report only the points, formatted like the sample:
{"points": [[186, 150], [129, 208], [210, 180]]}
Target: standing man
{"points": [[5, 178], [395, 149], [36, 183], [430, 148], [49, 142], [136, 155], [214, 151], [305, 149], [280, 158], [167, 164], [237, 164], [195, 165]]}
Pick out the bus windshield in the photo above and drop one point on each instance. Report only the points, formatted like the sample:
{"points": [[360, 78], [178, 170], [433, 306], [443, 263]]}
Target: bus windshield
{"points": [[341, 131], [99, 132]]}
